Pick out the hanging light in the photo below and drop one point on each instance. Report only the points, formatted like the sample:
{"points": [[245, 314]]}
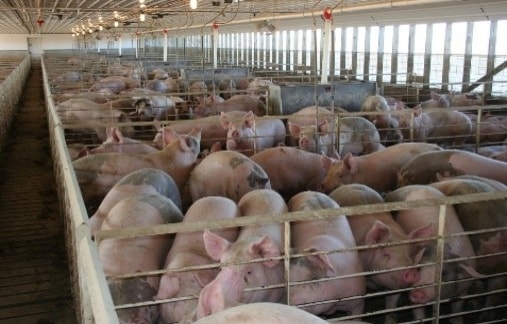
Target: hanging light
{"points": [[193, 4], [100, 27], [116, 23], [142, 16]]}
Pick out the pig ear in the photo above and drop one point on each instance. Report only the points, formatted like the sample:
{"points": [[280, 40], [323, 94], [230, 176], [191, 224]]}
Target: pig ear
{"points": [[204, 277], [326, 162], [471, 271], [217, 146], [321, 261], [425, 231], [211, 299], [214, 244], [168, 134], [118, 136], [168, 288], [265, 248], [294, 129], [156, 124], [378, 233], [350, 162], [434, 95], [249, 119], [224, 120]]}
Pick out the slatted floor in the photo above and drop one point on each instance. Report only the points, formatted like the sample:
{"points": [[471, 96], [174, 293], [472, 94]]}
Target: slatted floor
{"points": [[34, 276]]}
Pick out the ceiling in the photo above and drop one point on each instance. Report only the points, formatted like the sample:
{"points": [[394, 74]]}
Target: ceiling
{"points": [[66, 16]]}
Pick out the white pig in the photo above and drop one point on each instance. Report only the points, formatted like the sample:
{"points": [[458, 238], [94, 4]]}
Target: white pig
{"points": [[126, 256], [378, 170], [248, 134], [143, 181], [324, 235], [454, 247], [228, 174], [188, 250], [98, 173], [291, 170], [239, 272], [378, 228]]}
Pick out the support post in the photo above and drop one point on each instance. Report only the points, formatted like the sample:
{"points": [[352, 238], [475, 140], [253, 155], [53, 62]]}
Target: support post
{"points": [[326, 41]]}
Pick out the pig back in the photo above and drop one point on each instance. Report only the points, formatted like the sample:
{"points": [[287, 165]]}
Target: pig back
{"points": [[238, 175]]}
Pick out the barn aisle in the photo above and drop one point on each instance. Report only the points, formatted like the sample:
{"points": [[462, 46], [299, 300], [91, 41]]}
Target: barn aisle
{"points": [[34, 277]]}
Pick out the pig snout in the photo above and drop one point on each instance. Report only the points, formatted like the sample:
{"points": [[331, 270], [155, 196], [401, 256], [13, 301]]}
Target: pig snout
{"points": [[234, 134], [419, 296], [410, 276]]}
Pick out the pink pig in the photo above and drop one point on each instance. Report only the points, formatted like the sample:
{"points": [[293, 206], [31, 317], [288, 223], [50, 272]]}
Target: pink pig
{"points": [[98, 173], [323, 235], [378, 170], [254, 242], [126, 256], [143, 181], [236, 102], [480, 215], [248, 134], [228, 174], [454, 247], [377, 228], [188, 250], [289, 180], [116, 142]]}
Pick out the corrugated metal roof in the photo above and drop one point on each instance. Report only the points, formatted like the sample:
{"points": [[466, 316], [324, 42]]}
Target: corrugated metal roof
{"points": [[61, 16]]}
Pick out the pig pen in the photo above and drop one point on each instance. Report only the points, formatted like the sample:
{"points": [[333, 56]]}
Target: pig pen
{"points": [[94, 300]]}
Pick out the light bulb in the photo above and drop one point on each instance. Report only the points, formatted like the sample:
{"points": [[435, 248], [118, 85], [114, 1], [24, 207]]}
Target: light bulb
{"points": [[100, 27], [141, 1], [193, 4], [142, 16], [116, 23]]}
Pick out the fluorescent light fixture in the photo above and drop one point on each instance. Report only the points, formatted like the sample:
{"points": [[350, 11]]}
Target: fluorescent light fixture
{"points": [[142, 16], [193, 4]]}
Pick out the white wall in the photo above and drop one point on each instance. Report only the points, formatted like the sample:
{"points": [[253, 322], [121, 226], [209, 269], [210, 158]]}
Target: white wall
{"points": [[18, 42], [13, 42]]}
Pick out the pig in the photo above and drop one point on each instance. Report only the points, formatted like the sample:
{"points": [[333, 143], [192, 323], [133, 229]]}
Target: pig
{"points": [[97, 173], [259, 88], [96, 97], [454, 247], [466, 99], [378, 170], [143, 181], [426, 167], [381, 228], [356, 135], [115, 83], [490, 129], [116, 142], [228, 174], [126, 256], [211, 131], [188, 250], [307, 116], [264, 312], [227, 88], [324, 235], [69, 76], [290, 170], [197, 90], [155, 107], [436, 101], [248, 134], [158, 74], [81, 111], [481, 215], [442, 126], [238, 272], [162, 86], [387, 126], [236, 102]]}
